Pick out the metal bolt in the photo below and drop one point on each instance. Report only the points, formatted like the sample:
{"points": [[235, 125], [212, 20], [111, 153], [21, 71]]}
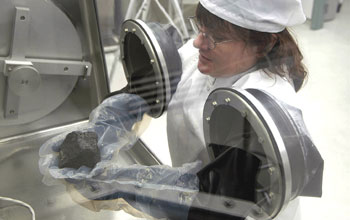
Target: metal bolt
{"points": [[244, 114], [184, 196], [152, 61], [126, 30], [157, 83], [9, 68], [86, 72], [227, 100], [134, 30], [215, 103], [261, 140], [258, 211], [157, 101], [271, 195], [271, 170], [208, 118], [229, 204]]}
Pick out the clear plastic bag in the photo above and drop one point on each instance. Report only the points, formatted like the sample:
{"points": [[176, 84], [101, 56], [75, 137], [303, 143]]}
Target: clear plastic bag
{"points": [[113, 121]]}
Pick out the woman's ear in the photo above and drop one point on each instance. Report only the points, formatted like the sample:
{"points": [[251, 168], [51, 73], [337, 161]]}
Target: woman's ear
{"points": [[272, 43], [263, 50]]}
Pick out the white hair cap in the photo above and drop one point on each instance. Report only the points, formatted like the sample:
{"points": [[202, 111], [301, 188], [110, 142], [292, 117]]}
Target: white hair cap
{"points": [[261, 15]]}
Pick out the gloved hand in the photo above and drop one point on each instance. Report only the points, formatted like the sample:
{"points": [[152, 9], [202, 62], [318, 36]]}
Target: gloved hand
{"points": [[120, 111], [112, 121]]}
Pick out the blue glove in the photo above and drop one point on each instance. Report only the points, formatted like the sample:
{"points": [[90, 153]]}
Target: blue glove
{"points": [[121, 111], [112, 121]]}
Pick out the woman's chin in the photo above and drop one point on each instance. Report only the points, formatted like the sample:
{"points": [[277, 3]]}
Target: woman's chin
{"points": [[204, 69]]}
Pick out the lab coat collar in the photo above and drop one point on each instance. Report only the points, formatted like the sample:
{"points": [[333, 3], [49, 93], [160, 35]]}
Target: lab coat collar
{"points": [[228, 81]]}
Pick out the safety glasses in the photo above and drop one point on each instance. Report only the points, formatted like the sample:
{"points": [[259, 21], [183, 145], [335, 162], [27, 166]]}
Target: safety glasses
{"points": [[208, 37]]}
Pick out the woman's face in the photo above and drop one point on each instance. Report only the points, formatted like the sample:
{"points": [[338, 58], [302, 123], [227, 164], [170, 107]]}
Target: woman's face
{"points": [[226, 59]]}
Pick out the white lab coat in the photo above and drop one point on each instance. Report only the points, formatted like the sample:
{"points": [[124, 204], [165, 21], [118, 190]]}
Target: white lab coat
{"points": [[185, 111]]}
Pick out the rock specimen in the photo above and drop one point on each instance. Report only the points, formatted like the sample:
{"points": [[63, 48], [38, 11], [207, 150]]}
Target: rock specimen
{"points": [[79, 149]]}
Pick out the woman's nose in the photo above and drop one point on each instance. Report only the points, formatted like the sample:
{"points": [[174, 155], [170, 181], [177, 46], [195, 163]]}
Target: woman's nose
{"points": [[200, 43]]}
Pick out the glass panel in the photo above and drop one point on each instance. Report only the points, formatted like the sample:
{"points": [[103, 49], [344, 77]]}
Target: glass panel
{"points": [[229, 142]]}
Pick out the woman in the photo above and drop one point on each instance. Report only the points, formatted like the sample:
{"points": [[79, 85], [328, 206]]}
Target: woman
{"points": [[243, 44]]}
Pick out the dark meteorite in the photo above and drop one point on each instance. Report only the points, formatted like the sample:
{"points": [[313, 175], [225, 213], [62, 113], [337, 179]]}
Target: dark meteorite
{"points": [[79, 149]]}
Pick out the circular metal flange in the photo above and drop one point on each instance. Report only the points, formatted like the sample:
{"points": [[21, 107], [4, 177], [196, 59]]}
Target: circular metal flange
{"points": [[146, 63], [24, 80], [233, 116]]}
